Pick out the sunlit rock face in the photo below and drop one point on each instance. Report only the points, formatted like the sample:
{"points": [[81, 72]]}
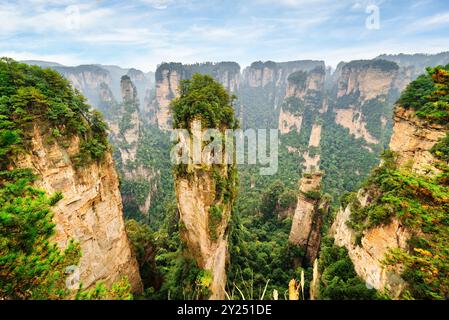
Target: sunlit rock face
{"points": [[90, 212]]}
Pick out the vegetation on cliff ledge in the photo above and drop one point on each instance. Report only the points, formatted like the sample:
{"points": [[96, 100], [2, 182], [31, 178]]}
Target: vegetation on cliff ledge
{"points": [[31, 266], [429, 95], [420, 201], [205, 98], [30, 95]]}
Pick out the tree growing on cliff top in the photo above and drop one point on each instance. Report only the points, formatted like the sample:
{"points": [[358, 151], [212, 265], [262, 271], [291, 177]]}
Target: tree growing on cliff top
{"points": [[203, 96]]}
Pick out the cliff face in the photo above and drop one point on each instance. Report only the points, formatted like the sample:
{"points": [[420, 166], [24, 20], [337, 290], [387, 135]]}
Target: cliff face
{"points": [[169, 75], [128, 134], [205, 185], [90, 212], [87, 79], [309, 216], [362, 97], [306, 90], [195, 197], [369, 254], [411, 141], [204, 216], [260, 74], [166, 90]]}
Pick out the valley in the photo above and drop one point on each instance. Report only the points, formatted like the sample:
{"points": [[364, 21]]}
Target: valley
{"points": [[360, 194]]}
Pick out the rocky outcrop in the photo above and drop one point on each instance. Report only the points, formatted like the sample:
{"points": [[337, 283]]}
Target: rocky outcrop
{"points": [[354, 120], [195, 197], [204, 214], [369, 254], [362, 86], [289, 122], [169, 75], [88, 79], [125, 129], [167, 82], [90, 212], [309, 215], [305, 90], [412, 140], [260, 74]]}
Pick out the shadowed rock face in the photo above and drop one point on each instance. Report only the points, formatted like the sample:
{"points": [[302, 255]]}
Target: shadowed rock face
{"points": [[90, 212]]}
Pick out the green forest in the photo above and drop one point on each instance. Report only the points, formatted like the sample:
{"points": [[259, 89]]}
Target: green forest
{"points": [[261, 260]]}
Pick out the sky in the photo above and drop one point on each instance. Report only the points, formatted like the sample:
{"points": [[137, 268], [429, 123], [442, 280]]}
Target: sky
{"points": [[145, 33]]}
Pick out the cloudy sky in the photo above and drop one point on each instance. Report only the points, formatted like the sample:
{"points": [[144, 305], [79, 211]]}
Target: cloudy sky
{"points": [[144, 33]]}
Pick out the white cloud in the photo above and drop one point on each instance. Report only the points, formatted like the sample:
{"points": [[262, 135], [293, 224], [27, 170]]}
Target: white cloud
{"points": [[65, 59], [434, 21]]}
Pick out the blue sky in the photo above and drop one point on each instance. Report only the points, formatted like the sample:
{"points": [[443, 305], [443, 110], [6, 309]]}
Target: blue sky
{"points": [[144, 33]]}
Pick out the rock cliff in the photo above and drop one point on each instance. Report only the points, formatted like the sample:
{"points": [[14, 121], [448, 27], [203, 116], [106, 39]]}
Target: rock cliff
{"points": [[204, 215], [205, 185], [90, 212], [411, 142], [169, 75], [363, 97], [305, 90], [308, 219]]}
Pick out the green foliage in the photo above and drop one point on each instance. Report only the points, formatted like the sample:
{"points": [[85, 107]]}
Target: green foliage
{"points": [[143, 246], [429, 95], [30, 266], [375, 111], [293, 105], [380, 64], [261, 255], [339, 280], [441, 149], [31, 95], [205, 98], [287, 199], [215, 218], [120, 290], [345, 159], [298, 78], [270, 199], [421, 202]]}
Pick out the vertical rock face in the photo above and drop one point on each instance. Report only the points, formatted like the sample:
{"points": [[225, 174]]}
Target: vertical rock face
{"points": [[126, 129], [260, 74], [309, 215], [416, 64], [88, 79], [306, 91], [363, 97], [263, 89], [412, 140], [90, 212], [144, 83], [204, 216], [167, 82], [127, 134], [169, 76], [369, 254]]}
